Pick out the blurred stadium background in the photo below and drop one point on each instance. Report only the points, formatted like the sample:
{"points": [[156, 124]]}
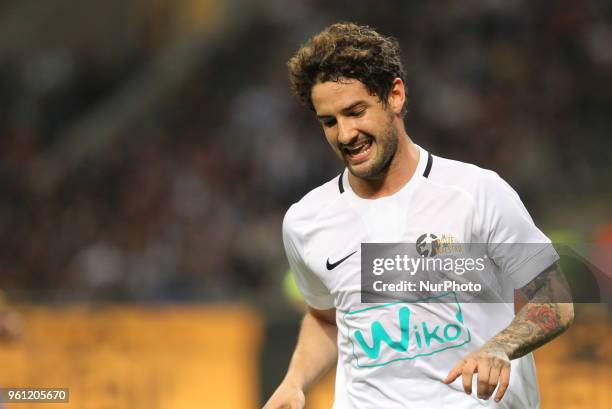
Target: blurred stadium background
{"points": [[149, 149]]}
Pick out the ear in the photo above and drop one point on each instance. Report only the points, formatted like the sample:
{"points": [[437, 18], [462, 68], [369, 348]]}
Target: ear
{"points": [[397, 96]]}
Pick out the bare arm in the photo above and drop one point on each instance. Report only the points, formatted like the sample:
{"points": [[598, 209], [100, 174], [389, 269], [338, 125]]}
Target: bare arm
{"points": [[315, 353], [548, 312]]}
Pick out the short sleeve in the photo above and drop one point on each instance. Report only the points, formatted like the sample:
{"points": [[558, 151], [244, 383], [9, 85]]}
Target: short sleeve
{"points": [[512, 239], [312, 288]]}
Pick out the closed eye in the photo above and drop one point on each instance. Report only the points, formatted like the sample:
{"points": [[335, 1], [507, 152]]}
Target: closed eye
{"points": [[328, 123]]}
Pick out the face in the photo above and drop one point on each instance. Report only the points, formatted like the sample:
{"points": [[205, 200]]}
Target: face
{"points": [[359, 128]]}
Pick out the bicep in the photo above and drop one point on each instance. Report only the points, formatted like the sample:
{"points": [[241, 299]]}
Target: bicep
{"points": [[550, 286], [328, 316]]}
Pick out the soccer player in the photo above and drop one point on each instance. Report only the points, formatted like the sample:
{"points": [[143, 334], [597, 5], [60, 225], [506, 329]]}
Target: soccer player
{"points": [[394, 191]]}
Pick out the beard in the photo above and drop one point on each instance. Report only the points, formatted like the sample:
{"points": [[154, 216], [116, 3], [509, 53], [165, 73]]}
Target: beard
{"points": [[386, 147]]}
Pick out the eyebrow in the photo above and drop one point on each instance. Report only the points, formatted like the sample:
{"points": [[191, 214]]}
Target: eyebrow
{"points": [[344, 110]]}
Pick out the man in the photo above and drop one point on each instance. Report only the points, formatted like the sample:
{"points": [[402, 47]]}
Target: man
{"points": [[393, 191]]}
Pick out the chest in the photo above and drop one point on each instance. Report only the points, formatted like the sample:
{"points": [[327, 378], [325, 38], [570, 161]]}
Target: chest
{"points": [[334, 245]]}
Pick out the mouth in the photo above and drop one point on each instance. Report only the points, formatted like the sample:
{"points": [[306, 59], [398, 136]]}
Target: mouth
{"points": [[359, 151]]}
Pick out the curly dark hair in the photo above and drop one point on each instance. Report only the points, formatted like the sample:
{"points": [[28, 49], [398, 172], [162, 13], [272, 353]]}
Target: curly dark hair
{"points": [[346, 50]]}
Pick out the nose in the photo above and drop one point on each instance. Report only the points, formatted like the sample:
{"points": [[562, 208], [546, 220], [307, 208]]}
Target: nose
{"points": [[347, 133]]}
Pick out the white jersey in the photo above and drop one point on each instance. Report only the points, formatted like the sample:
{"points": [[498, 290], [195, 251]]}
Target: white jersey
{"points": [[448, 197]]}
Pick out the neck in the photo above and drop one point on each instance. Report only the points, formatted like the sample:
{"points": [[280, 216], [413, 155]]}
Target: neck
{"points": [[400, 171]]}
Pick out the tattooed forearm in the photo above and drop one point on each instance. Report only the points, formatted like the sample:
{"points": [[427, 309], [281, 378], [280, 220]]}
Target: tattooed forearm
{"points": [[548, 313], [545, 316], [535, 325]]}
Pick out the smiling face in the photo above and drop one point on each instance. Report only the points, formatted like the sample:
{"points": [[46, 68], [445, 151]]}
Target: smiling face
{"points": [[359, 127]]}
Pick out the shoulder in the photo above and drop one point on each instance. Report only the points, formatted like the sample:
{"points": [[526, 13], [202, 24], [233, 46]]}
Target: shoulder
{"points": [[308, 208], [468, 178]]}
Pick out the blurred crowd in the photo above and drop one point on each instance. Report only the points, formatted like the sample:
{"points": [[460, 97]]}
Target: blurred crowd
{"points": [[189, 204]]}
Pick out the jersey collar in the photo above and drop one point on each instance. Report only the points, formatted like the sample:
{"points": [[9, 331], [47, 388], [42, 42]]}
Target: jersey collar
{"points": [[422, 171]]}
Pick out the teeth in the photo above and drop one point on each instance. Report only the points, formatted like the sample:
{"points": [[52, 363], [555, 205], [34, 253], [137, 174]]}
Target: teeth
{"points": [[358, 148]]}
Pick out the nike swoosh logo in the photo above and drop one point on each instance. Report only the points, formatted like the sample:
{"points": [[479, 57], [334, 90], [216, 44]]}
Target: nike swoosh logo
{"points": [[331, 266]]}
